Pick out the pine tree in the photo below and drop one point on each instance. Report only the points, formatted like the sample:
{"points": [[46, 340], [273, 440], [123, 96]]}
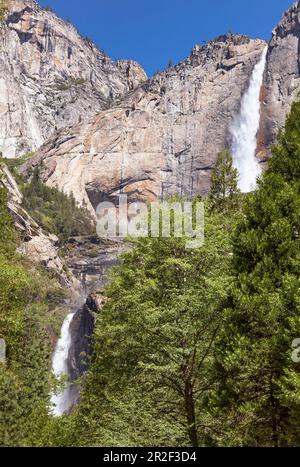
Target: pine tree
{"points": [[8, 235], [259, 382], [224, 182]]}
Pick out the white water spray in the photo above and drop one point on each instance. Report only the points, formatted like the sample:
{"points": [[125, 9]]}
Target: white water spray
{"points": [[244, 130], [61, 402]]}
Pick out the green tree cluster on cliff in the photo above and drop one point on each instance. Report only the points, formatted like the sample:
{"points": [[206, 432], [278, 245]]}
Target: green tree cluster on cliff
{"points": [[55, 211], [224, 183]]}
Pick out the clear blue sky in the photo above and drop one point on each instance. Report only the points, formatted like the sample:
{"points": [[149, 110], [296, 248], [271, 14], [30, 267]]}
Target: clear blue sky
{"points": [[154, 31]]}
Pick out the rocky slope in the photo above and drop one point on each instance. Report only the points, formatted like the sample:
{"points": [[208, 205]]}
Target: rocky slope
{"points": [[164, 137], [282, 77], [37, 245], [51, 77]]}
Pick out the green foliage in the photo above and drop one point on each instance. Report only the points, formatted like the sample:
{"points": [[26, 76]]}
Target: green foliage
{"points": [[24, 324], [7, 232], [55, 211], [193, 347], [151, 376], [13, 166], [14, 287], [224, 182], [89, 40], [3, 9], [185, 354], [258, 396]]}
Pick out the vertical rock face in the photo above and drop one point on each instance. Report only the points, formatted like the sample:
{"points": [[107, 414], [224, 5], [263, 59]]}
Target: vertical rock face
{"points": [[89, 259], [164, 137], [282, 77], [82, 327], [50, 77]]}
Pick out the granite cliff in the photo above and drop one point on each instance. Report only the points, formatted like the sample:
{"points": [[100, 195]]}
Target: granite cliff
{"points": [[163, 138], [114, 131], [51, 77]]}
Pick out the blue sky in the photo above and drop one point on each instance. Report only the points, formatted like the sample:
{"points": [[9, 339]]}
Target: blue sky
{"points": [[155, 31]]}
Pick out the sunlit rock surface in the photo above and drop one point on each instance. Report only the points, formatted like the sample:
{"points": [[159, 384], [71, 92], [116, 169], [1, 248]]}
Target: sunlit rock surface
{"points": [[282, 78], [164, 137], [51, 77]]}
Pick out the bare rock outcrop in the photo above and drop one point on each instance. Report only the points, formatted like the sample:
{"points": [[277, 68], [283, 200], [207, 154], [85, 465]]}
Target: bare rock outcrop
{"points": [[38, 246], [282, 78], [164, 137], [51, 77]]}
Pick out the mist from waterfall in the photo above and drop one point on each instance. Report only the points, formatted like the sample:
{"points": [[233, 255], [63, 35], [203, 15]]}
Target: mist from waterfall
{"points": [[244, 130], [62, 401]]}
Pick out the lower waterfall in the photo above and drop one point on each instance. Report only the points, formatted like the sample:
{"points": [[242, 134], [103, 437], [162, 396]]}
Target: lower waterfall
{"points": [[244, 130], [62, 402], [70, 358]]}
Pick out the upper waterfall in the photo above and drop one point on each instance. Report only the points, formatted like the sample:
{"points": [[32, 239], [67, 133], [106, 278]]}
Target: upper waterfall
{"points": [[244, 130]]}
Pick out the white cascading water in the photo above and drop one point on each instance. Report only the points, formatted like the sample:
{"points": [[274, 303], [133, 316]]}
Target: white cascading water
{"points": [[61, 402], [244, 130]]}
